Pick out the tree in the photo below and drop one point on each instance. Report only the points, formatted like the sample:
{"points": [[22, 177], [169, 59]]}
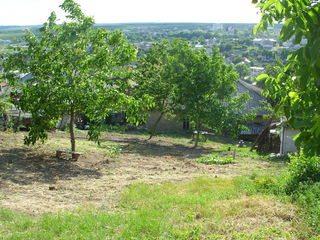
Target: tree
{"points": [[4, 103], [75, 68], [193, 85], [297, 87], [155, 76], [273, 70], [243, 69], [204, 92]]}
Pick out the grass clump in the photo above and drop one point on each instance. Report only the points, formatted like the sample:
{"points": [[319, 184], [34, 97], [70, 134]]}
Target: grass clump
{"points": [[214, 159]]}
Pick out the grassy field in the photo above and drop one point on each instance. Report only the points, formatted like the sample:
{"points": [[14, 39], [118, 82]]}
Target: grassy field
{"points": [[202, 208], [130, 188]]}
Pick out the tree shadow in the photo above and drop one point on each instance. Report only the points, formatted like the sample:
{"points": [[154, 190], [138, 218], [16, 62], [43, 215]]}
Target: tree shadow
{"points": [[160, 149], [24, 166], [176, 135]]}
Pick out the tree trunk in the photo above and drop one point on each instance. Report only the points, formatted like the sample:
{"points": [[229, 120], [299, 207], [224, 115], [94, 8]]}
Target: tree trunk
{"points": [[71, 129], [17, 122], [153, 130], [263, 132], [5, 121], [196, 141]]}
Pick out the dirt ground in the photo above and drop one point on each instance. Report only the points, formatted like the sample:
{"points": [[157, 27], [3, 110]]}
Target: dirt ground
{"points": [[34, 181]]}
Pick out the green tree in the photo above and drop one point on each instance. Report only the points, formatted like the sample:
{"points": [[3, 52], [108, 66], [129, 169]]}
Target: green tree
{"points": [[4, 103], [155, 77], [193, 85], [75, 68], [204, 92], [243, 69], [297, 87]]}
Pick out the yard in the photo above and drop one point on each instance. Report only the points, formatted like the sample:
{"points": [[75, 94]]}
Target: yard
{"points": [[130, 188]]}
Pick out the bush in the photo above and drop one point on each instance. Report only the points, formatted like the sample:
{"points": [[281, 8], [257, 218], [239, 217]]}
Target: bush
{"points": [[308, 197], [303, 170], [303, 184]]}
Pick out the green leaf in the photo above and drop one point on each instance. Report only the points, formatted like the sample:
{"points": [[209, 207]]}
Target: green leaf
{"points": [[313, 16], [287, 30], [279, 7], [298, 37], [296, 137], [301, 22], [293, 95], [256, 28], [262, 77], [268, 4], [288, 66]]}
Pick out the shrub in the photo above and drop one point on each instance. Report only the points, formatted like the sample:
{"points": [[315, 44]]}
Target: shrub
{"points": [[303, 184], [303, 170]]}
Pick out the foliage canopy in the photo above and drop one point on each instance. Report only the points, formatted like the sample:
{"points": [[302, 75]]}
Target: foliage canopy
{"points": [[75, 68], [297, 86], [193, 86]]}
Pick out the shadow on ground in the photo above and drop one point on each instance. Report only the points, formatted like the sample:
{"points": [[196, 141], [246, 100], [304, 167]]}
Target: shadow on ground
{"points": [[160, 148], [25, 166]]}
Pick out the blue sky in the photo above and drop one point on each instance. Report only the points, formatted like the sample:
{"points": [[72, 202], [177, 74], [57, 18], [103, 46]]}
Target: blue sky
{"points": [[31, 12]]}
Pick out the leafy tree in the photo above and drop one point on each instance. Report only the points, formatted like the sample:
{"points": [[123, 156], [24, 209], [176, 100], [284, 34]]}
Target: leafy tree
{"points": [[204, 92], [191, 85], [75, 68], [237, 59], [297, 87], [273, 70], [155, 77], [243, 69], [4, 103]]}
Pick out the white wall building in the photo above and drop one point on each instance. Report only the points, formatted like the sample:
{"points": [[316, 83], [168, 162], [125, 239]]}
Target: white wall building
{"points": [[287, 144]]}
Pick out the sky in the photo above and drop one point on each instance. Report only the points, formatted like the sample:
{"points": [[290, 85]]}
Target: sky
{"points": [[34, 12]]}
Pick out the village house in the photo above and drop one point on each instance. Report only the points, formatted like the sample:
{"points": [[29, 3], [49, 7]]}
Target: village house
{"points": [[257, 105], [265, 43]]}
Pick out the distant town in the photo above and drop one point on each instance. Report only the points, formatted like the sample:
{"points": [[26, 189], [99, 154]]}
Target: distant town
{"points": [[251, 54]]}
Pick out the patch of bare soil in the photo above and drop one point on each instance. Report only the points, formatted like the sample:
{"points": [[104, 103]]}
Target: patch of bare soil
{"points": [[34, 181]]}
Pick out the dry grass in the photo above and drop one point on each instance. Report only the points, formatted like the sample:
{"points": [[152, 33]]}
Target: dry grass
{"points": [[102, 172], [161, 186]]}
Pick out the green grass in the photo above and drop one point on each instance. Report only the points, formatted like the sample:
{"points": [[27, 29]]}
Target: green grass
{"points": [[203, 208]]}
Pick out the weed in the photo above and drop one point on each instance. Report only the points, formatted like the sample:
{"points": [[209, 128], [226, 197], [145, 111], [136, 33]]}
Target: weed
{"points": [[113, 151], [213, 159]]}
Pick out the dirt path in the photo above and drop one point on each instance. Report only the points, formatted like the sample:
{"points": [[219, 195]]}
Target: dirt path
{"points": [[33, 181]]}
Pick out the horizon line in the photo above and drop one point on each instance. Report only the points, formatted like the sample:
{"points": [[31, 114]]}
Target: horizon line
{"points": [[123, 23]]}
